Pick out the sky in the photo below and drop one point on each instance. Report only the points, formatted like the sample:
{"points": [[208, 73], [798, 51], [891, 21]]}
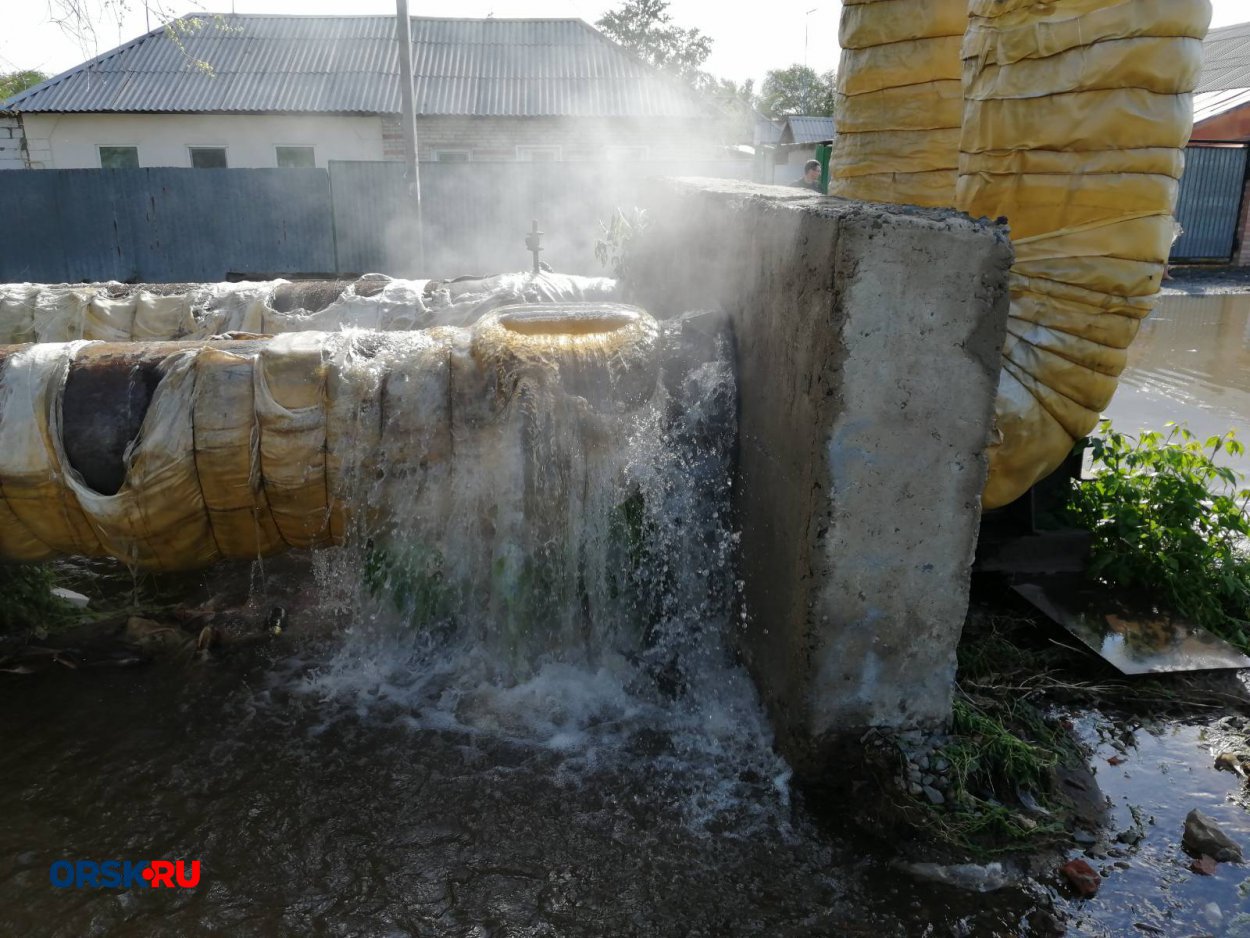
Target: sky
{"points": [[748, 40]]}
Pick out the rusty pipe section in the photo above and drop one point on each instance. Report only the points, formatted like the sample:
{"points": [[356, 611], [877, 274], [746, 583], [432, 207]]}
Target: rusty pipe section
{"points": [[172, 455]]}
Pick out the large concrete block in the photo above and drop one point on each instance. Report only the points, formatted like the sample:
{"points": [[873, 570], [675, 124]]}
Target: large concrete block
{"points": [[868, 341]]}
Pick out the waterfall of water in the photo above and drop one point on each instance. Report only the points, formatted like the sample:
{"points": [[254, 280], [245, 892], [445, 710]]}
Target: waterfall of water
{"points": [[564, 578]]}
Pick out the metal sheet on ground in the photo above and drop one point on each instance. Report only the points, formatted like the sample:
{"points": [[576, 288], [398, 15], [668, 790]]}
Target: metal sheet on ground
{"points": [[1129, 641]]}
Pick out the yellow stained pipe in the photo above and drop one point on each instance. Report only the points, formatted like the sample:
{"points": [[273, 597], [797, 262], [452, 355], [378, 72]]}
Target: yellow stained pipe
{"points": [[1075, 116]]}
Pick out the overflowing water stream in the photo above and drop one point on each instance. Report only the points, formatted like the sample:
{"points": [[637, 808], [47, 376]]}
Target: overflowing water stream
{"points": [[527, 722]]}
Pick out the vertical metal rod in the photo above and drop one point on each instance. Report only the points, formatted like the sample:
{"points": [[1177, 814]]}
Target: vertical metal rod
{"points": [[408, 118]]}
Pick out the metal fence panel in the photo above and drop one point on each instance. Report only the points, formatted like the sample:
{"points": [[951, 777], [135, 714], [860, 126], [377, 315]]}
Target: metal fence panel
{"points": [[475, 215], [164, 224], [371, 234], [1209, 205], [175, 224]]}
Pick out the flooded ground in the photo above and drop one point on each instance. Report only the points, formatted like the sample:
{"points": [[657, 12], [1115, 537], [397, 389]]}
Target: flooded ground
{"points": [[368, 785], [352, 796], [1190, 363], [328, 797]]}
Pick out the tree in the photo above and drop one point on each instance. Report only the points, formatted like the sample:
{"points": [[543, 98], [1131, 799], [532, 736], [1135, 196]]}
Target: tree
{"points": [[798, 90], [645, 27], [12, 83], [79, 19]]}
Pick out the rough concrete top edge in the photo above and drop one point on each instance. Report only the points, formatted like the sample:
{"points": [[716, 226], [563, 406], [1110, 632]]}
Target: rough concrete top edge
{"points": [[790, 197]]}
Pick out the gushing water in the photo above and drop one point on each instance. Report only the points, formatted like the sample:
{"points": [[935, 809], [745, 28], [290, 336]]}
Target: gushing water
{"points": [[557, 569]]}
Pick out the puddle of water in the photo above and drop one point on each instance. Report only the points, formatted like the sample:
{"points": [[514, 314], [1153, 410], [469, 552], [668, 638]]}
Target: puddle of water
{"points": [[1167, 770], [1190, 363]]}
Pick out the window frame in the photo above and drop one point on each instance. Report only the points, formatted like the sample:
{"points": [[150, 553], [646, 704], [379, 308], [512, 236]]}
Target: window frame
{"points": [[101, 147], [294, 146], [459, 155], [225, 155]]}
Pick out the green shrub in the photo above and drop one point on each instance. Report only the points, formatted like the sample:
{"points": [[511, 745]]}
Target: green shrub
{"points": [[1167, 519], [26, 600], [616, 242]]}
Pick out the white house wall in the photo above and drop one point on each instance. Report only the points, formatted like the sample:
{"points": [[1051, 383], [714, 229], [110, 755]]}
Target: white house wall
{"points": [[71, 141]]}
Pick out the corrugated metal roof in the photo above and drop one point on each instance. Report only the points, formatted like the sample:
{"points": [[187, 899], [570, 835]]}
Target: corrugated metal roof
{"points": [[1211, 104], [767, 132], [1226, 59], [804, 129], [349, 64]]}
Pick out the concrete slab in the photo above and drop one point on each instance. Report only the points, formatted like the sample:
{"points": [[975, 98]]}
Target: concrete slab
{"points": [[868, 341]]}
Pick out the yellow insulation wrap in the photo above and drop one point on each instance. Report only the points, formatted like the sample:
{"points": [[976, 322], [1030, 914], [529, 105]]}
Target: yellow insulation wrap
{"points": [[899, 101], [32, 461], [1076, 114], [227, 455], [290, 405], [156, 520]]}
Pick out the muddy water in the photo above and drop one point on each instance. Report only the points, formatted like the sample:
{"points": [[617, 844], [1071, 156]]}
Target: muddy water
{"points": [[383, 785], [1190, 363], [571, 804]]}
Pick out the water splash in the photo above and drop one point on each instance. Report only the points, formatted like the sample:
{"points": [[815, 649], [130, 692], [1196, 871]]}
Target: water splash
{"points": [[564, 581]]}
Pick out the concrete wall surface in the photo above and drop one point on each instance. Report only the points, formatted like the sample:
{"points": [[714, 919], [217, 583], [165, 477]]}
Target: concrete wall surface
{"points": [[868, 342]]}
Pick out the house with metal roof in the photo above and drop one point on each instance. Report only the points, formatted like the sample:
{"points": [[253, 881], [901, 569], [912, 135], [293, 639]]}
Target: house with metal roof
{"points": [[1215, 194], [1222, 99], [804, 129], [297, 91]]}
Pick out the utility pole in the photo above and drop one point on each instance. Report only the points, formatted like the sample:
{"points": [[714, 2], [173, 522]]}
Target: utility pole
{"points": [[408, 118], [807, 19]]}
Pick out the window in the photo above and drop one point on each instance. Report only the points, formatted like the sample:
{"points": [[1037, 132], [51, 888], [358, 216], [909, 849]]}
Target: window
{"points": [[295, 158], [119, 157], [208, 157], [538, 154], [452, 156], [494, 156]]}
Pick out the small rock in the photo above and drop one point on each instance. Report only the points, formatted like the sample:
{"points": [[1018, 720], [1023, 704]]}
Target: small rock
{"points": [[928, 780], [1203, 836], [934, 796], [77, 600], [1082, 836], [1204, 866], [913, 772], [1214, 915], [1132, 836], [941, 765], [915, 789], [1117, 760], [968, 876], [923, 763], [1122, 865], [1238, 762], [1082, 877]]}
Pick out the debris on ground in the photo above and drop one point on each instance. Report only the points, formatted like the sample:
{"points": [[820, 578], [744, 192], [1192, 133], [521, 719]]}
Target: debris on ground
{"points": [[1203, 837], [1083, 878]]}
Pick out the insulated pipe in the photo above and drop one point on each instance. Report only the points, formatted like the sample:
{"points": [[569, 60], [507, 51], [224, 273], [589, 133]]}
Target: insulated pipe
{"points": [[171, 455], [1075, 115], [899, 104], [1076, 118], [116, 312]]}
